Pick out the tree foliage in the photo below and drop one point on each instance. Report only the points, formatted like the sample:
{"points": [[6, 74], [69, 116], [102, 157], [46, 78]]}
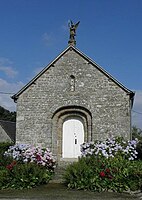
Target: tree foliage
{"points": [[136, 133], [7, 115]]}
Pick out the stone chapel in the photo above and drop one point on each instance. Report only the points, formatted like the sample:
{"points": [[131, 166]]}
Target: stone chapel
{"points": [[71, 101]]}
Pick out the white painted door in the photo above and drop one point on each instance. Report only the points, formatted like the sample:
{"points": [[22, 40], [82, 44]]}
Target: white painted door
{"points": [[73, 137]]}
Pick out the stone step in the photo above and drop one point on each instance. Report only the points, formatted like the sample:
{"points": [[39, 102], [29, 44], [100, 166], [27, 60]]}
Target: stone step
{"points": [[58, 176], [60, 170]]}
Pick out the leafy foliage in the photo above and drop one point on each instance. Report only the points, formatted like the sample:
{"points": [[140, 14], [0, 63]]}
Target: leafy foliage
{"points": [[4, 147], [25, 166], [139, 149], [7, 115], [107, 165], [101, 174], [137, 133], [19, 176]]}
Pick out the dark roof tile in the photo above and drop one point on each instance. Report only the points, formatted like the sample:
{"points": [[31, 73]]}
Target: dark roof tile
{"points": [[10, 128]]}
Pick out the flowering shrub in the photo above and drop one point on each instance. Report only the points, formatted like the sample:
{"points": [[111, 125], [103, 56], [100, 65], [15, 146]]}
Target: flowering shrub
{"points": [[4, 160], [98, 173], [19, 176], [11, 165], [25, 166], [112, 147], [29, 154], [107, 165], [102, 174]]}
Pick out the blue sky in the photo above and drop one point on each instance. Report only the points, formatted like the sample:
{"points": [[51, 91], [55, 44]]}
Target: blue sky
{"points": [[34, 32]]}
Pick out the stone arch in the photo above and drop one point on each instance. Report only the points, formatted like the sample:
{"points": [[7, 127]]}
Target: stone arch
{"points": [[58, 119]]}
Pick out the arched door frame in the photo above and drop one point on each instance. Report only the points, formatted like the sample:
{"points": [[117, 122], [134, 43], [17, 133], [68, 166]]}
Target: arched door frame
{"points": [[57, 126]]}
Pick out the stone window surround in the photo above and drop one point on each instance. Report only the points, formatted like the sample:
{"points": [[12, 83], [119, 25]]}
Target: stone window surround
{"points": [[57, 126], [72, 83]]}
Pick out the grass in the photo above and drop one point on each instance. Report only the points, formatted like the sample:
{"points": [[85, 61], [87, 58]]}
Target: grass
{"points": [[54, 191]]}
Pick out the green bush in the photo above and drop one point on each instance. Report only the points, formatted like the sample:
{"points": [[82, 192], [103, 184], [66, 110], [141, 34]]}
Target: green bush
{"points": [[99, 174], [139, 149], [19, 176], [136, 133], [4, 177], [78, 174], [4, 160], [4, 146]]}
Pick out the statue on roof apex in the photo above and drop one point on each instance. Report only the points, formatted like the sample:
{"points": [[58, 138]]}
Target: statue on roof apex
{"points": [[73, 28]]}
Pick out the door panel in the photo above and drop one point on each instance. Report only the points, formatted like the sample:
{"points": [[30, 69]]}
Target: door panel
{"points": [[73, 137]]}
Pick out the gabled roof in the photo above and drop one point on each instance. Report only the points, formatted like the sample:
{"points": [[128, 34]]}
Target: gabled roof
{"points": [[15, 97], [10, 128]]}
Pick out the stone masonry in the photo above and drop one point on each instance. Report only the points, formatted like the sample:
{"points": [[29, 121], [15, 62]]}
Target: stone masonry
{"points": [[43, 104]]}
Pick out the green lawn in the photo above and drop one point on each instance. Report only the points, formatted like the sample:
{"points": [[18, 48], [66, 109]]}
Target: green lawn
{"points": [[60, 192]]}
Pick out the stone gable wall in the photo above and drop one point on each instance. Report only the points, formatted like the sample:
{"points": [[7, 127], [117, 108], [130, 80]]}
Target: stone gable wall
{"points": [[107, 102]]}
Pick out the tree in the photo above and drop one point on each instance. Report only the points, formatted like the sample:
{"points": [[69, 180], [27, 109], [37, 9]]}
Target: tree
{"points": [[136, 133], [7, 115]]}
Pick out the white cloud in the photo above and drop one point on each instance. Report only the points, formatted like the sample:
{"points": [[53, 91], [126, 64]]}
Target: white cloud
{"points": [[47, 39], [137, 110], [5, 61], [5, 66], [9, 71], [5, 99]]}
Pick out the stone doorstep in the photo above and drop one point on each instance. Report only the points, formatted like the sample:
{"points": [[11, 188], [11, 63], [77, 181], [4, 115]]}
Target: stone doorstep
{"points": [[58, 176], [60, 170]]}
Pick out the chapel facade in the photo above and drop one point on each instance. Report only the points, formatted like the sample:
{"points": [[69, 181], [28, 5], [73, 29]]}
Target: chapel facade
{"points": [[71, 101]]}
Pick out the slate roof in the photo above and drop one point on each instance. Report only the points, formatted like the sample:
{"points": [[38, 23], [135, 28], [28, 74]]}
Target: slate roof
{"points": [[10, 129], [70, 47]]}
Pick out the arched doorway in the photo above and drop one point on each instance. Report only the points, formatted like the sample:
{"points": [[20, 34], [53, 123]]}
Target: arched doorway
{"points": [[63, 114], [73, 137]]}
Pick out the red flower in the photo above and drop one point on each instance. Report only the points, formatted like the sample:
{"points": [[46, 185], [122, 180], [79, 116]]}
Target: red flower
{"points": [[102, 174], [9, 167], [108, 170]]}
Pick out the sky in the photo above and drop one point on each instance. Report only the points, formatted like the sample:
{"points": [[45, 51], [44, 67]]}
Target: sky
{"points": [[35, 32]]}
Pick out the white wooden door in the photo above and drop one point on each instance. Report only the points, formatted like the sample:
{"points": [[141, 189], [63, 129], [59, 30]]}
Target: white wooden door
{"points": [[73, 137]]}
